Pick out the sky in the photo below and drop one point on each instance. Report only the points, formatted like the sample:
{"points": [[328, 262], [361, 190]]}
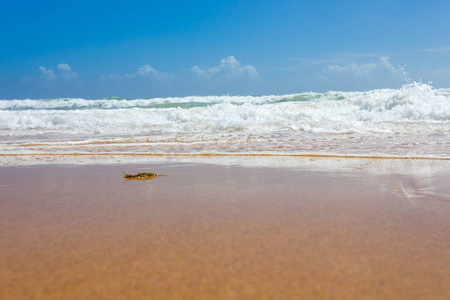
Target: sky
{"points": [[142, 49]]}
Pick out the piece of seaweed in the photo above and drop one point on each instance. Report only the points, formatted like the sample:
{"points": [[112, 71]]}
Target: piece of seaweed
{"points": [[141, 176]]}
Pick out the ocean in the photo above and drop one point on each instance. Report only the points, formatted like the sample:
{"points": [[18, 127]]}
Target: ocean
{"points": [[410, 122]]}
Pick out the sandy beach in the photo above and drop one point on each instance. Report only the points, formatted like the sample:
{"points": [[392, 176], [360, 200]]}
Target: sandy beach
{"points": [[248, 228], [225, 150]]}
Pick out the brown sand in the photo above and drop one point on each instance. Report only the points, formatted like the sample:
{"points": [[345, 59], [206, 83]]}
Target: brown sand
{"points": [[222, 232]]}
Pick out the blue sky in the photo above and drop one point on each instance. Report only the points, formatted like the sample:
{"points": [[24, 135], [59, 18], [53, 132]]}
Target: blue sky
{"points": [[96, 49]]}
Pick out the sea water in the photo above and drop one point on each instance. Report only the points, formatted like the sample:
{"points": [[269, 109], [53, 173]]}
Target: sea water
{"points": [[412, 121]]}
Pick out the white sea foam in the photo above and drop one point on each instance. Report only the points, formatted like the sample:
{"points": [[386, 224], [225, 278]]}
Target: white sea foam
{"points": [[415, 119]]}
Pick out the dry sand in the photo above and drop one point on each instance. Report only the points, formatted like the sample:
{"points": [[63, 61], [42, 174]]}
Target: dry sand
{"points": [[210, 231]]}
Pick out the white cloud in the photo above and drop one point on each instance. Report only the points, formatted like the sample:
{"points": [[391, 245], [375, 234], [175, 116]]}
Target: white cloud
{"points": [[147, 70], [332, 59], [368, 70], [365, 76], [47, 74], [229, 68], [64, 67], [361, 70], [66, 71]]}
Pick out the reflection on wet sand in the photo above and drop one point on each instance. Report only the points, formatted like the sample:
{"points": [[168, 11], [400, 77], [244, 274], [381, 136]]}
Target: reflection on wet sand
{"points": [[210, 231]]}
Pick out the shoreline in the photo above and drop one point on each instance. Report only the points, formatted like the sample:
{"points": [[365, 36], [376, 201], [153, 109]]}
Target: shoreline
{"points": [[229, 154], [7, 159]]}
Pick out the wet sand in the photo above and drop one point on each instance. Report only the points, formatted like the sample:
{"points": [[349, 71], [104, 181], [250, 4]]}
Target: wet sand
{"points": [[210, 231]]}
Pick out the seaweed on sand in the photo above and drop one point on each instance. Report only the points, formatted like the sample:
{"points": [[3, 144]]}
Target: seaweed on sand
{"points": [[141, 176]]}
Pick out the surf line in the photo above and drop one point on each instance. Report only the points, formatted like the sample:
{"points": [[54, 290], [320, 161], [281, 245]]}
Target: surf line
{"points": [[200, 154]]}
